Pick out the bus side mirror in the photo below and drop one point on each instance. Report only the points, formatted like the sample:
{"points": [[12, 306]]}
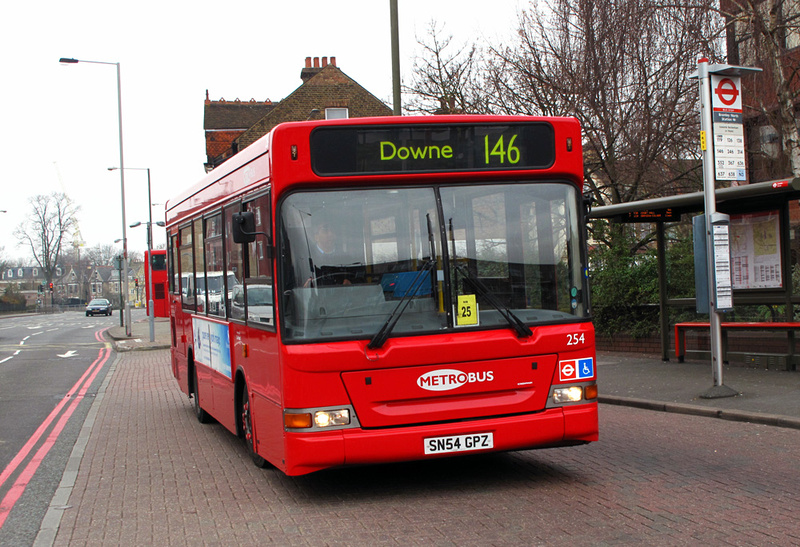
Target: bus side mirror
{"points": [[244, 227], [588, 201]]}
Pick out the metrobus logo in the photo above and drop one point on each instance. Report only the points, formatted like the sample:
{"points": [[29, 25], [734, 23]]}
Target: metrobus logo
{"points": [[447, 379]]}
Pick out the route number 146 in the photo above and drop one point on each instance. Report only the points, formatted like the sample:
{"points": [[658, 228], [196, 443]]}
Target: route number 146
{"points": [[509, 154]]}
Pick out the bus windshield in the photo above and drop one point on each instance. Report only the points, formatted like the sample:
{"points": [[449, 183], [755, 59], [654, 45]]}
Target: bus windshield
{"points": [[429, 259]]}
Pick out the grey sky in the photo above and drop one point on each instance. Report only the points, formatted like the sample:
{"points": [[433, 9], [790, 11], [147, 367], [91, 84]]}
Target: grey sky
{"points": [[59, 130]]}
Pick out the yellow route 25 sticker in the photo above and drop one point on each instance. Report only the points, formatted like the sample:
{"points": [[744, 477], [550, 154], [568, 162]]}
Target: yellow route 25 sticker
{"points": [[466, 310]]}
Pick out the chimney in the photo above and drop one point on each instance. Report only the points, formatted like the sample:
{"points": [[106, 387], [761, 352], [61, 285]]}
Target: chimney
{"points": [[310, 71]]}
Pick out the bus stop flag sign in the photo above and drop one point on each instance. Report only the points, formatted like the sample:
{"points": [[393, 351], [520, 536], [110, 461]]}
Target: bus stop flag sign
{"points": [[726, 93], [728, 128]]}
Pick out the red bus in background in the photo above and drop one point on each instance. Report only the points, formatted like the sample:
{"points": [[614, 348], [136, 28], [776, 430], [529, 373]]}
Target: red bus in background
{"points": [[155, 264], [385, 289]]}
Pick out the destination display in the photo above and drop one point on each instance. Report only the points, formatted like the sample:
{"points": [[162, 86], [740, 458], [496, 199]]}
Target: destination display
{"points": [[361, 150], [650, 215]]}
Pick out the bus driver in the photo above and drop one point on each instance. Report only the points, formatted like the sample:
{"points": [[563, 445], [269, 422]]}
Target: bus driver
{"points": [[327, 259]]}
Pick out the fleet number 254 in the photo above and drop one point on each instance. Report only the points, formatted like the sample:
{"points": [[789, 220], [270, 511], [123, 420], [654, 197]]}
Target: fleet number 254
{"points": [[575, 339]]}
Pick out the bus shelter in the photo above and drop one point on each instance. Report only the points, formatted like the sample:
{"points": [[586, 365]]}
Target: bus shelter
{"points": [[765, 241]]}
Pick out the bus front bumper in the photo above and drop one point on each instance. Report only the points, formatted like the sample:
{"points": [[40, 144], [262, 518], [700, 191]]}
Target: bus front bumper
{"points": [[309, 452]]}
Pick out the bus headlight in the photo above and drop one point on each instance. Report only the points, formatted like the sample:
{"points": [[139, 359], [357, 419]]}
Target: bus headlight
{"points": [[328, 418], [567, 394], [317, 419]]}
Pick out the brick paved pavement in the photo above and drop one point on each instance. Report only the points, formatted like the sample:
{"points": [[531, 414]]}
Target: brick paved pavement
{"points": [[150, 474]]}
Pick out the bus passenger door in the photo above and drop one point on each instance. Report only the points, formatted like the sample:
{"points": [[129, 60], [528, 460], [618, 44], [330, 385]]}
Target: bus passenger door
{"points": [[182, 303]]}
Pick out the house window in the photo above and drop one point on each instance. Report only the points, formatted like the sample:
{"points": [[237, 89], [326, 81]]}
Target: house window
{"points": [[791, 13], [35, 272], [336, 113], [19, 272]]}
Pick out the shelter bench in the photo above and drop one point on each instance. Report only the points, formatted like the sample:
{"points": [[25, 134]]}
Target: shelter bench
{"points": [[787, 328]]}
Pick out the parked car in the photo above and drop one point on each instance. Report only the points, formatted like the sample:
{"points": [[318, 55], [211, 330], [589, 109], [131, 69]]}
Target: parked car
{"points": [[259, 303], [98, 306]]}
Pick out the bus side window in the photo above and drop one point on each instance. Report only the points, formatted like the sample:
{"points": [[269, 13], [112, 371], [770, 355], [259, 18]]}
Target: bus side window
{"points": [[172, 264], [259, 283], [187, 269], [235, 265], [199, 267], [215, 277]]}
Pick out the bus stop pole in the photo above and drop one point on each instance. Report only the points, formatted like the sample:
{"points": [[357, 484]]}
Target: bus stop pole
{"points": [[709, 178]]}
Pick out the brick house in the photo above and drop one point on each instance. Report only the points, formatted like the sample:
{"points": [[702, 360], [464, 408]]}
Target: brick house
{"points": [[27, 279], [325, 93], [224, 121]]}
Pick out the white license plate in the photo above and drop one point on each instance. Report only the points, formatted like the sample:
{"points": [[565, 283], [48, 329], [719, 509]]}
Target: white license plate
{"points": [[459, 443]]}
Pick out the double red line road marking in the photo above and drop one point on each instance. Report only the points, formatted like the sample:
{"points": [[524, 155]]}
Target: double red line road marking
{"points": [[60, 415]]}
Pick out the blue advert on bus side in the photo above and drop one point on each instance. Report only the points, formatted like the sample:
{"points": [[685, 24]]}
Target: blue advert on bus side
{"points": [[212, 346]]}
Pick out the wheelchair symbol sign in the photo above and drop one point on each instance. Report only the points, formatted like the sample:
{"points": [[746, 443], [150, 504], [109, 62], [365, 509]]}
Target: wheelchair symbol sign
{"points": [[585, 368]]}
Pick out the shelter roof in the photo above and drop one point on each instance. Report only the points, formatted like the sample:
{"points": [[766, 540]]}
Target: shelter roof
{"points": [[757, 196]]}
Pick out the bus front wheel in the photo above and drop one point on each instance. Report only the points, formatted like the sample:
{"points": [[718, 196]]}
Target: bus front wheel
{"points": [[202, 415], [247, 430]]}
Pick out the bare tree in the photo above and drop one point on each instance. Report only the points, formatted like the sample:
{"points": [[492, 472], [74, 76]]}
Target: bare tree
{"points": [[101, 255], [762, 33], [46, 230], [447, 77], [622, 69], [4, 262], [135, 256]]}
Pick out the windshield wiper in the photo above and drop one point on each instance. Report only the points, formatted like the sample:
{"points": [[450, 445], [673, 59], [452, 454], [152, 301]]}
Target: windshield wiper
{"points": [[523, 331], [383, 334]]}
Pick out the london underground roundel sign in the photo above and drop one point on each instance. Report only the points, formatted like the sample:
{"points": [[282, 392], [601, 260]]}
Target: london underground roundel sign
{"points": [[726, 93]]}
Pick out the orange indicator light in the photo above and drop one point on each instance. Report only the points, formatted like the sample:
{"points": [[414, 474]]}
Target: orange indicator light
{"points": [[296, 421]]}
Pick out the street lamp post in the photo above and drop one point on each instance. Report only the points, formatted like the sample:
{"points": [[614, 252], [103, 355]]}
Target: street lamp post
{"points": [[124, 303], [395, 39], [150, 303]]}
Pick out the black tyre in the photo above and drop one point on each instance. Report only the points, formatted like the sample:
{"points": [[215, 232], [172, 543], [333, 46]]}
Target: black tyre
{"points": [[202, 416], [247, 431]]}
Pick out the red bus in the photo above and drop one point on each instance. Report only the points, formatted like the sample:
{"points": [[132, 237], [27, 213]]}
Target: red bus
{"points": [[155, 263], [387, 289]]}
